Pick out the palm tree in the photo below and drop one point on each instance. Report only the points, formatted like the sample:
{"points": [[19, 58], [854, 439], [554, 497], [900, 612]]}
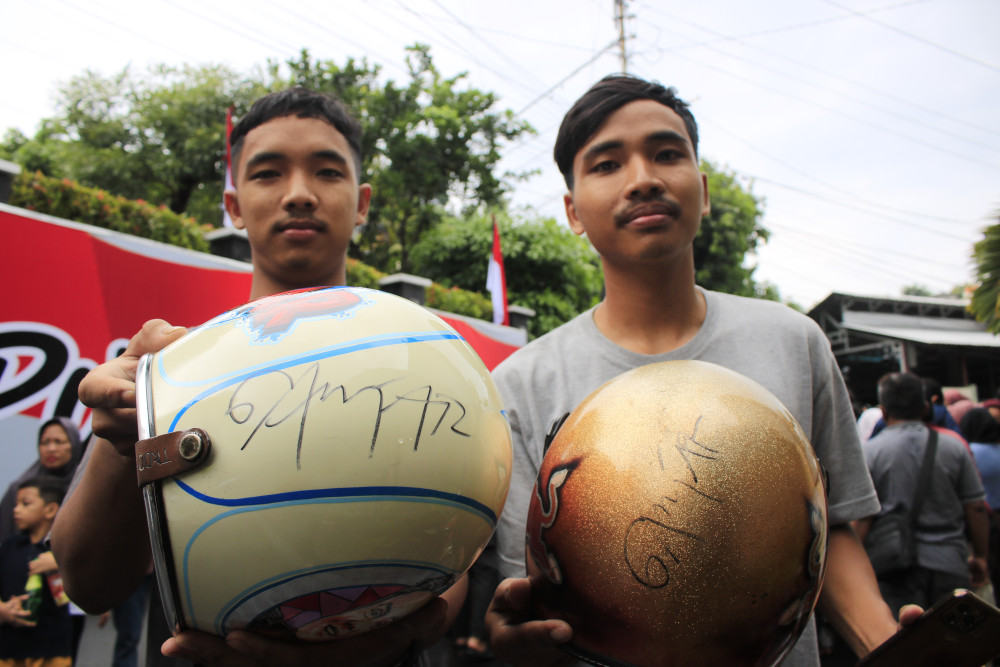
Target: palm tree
{"points": [[985, 303]]}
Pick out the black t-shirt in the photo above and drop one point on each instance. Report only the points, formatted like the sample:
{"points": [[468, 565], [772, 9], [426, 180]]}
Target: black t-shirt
{"points": [[52, 637]]}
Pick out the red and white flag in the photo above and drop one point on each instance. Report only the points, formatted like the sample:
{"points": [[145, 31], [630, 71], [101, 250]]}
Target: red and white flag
{"points": [[496, 281], [228, 185]]}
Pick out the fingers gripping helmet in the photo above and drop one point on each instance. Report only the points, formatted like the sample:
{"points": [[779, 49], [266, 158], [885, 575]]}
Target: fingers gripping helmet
{"points": [[679, 518], [317, 463]]}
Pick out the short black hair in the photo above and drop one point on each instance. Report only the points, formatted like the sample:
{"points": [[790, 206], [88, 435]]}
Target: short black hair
{"points": [[50, 489], [978, 425], [611, 93], [901, 396], [302, 103], [932, 388]]}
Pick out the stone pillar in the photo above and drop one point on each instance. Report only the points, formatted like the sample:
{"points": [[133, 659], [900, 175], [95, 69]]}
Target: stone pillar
{"points": [[8, 170], [229, 242], [519, 316], [413, 288]]}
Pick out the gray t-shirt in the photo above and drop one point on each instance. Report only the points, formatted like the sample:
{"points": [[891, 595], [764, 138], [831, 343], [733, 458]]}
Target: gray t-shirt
{"points": [[779, 348], [894, 458]]}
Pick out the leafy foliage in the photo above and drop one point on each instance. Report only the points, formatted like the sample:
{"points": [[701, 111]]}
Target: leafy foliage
{"points": [[730, 233], [985, 303], [65, 199], [427, 143], [159, 137], [917, 289], [548, 268]]}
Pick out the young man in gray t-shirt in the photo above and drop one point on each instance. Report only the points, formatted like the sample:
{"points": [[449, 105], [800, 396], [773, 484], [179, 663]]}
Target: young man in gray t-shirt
{"points": [[628, 152]]}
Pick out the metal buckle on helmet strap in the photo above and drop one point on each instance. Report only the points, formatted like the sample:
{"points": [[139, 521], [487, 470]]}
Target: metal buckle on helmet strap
{"points": [[170, 454]]}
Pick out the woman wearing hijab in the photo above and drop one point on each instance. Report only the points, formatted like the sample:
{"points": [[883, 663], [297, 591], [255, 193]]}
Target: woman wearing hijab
{"points": [[59, 452]]}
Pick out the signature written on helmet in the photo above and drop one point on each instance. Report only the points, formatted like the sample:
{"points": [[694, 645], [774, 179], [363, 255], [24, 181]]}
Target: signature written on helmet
{"points": [[651, 566], [409, 408]]}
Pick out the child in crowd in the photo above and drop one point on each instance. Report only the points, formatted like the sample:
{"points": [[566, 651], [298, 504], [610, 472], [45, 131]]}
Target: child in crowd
{"points": [[35, 627]]}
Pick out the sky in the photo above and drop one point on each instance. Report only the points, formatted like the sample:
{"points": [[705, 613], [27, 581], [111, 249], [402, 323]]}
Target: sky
{"points": [[867, 127]]}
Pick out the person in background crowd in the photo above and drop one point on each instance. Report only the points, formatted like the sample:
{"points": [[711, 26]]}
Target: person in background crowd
{"points": [[993, 405], [984, 439], [952, 504], [59, 452], [35, 627]]}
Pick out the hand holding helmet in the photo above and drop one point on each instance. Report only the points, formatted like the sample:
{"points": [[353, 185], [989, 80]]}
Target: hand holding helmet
{"points": [[678, 518], [317, 464], [110, 388]]}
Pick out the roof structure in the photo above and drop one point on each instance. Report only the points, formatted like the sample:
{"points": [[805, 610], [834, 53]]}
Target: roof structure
{"points": [[931, 336], [926, 320]]}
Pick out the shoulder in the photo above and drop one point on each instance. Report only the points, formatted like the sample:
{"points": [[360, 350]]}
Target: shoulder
{"points": [[543, 352], [763, 322], [759, 311]]}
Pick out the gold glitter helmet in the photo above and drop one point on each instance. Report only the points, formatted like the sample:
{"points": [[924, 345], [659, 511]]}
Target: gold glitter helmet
{"points": [[678, 518], [317, 463]]}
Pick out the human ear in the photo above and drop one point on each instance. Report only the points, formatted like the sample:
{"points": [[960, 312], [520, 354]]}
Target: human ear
{"points": [[364, 201], [232, 205], [571, 216]]}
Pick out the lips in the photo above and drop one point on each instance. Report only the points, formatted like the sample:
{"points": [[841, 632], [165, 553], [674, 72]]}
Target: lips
{"points": [[648, 214], [307, 224]]}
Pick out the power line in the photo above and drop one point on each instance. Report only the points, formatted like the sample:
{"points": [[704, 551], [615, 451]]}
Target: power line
{"points": [[881, 128], [742, 40], [912, 36], [819, 181], [814, 195]]}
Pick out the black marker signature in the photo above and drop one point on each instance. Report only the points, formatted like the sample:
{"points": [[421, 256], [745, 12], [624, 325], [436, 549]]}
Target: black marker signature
{"points": [[292, 404], [650, 567]]}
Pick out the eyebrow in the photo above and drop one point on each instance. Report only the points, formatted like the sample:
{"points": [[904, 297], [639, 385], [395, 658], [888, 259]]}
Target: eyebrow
{"points": [[663, 136], [268, 156]]}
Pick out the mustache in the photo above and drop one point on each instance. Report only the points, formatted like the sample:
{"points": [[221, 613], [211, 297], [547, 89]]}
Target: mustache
{"points": [[655, 206]]}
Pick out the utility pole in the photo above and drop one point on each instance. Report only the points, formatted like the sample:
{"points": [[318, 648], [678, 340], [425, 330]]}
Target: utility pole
{"points": [[620, 16]]}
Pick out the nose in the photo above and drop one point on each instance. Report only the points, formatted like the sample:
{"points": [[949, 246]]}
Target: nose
{"points": [[643, 180], [300, 193]]}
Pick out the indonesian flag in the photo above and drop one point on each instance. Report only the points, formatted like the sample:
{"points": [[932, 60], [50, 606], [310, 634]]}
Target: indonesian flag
{"points": [[228, 185], [496, 282]]}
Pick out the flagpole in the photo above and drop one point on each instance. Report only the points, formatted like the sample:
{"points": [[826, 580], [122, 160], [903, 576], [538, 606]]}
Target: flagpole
{"points": [[496, 280]]}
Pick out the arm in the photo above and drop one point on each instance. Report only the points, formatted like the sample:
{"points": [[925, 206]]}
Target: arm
{"points": [[850, 598], [979, 531], [861, 528], [99, 537], [44, 564]]}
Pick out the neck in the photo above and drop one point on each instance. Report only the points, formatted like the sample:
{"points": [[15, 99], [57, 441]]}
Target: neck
{"points": [[263, 285], [894, 421], [651, 311], [38, 533]]}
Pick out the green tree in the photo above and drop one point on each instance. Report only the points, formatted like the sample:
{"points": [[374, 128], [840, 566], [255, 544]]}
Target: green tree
{"points": [[985, 303], [728, 235], [158, 137], [917, 289], [548, 268], [430, 145]]}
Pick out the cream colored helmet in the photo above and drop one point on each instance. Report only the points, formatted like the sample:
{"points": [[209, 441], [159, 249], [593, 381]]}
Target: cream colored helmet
{"points": [[317, 463]]}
